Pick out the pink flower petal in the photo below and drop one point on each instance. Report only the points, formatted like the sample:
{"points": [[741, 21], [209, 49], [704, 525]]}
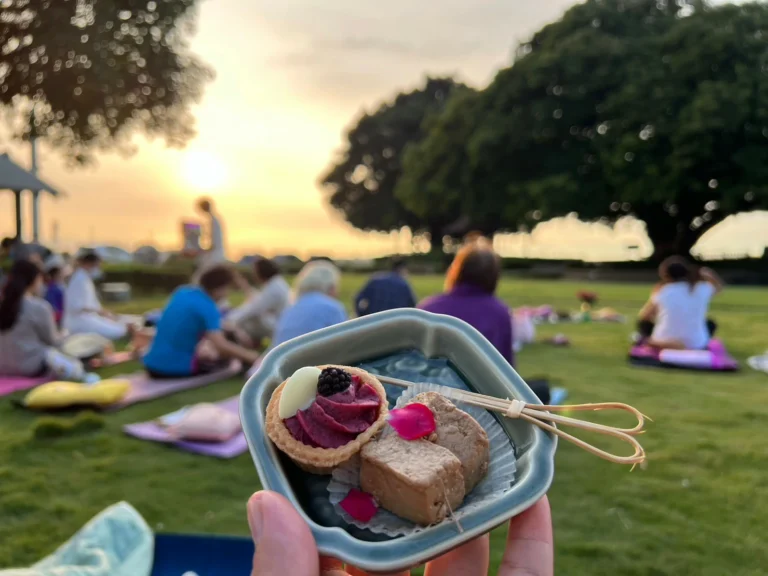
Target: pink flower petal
{"points": [[360, 505], [412, 421]]}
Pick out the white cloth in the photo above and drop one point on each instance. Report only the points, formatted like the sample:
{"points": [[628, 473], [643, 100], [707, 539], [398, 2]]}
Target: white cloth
{"points": [[682, 313], [217, 251], [266, 305], [89, 323], [80, 295], [80, 302]]}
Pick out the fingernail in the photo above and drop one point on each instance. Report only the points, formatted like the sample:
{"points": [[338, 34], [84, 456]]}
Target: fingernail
{"points": [[256, 517]]}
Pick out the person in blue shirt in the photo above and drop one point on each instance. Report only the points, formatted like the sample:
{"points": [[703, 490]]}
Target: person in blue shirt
{"points": [[189, 338], [316, 288], [54, 292], [386, 291]]}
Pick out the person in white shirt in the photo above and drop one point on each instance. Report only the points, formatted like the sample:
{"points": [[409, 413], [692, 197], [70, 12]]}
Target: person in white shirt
{"points": [[259, 314], [83, 313], [675, 317]]}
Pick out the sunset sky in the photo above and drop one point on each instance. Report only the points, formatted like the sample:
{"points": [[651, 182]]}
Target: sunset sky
{"points": [[291, 76]]}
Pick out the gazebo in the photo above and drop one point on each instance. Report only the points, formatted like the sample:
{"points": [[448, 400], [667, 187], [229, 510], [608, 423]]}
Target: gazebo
{"points": [[15, 178]]}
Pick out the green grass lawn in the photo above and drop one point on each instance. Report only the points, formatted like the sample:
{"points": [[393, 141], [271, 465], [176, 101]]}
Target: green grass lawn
{"points": [[699, 507]]}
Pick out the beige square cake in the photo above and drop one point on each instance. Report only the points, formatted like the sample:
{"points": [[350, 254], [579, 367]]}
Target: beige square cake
{"points": [[415, 479]]}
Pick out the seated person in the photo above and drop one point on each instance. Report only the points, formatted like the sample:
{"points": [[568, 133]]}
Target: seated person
{"points": [[28, 333], [54, 292], [470, 287], [675, 317], [315, 306], [258, 315], [15, 249], [189, 339], [83, 313], [386, 291]]}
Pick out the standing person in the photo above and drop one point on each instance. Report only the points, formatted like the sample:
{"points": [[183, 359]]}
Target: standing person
{"points": [[386, 291], [259, 314], [83, 313], [28, 333], [470, 288], [216, 252], [675, 316], [316, 306], [189, 338]]}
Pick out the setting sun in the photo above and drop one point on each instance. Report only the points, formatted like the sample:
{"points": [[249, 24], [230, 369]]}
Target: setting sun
{"points": [[204, 171]]}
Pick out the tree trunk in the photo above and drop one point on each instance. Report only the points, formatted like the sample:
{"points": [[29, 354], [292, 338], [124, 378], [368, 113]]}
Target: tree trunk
{"points": [[436, 238], [672, 235]]}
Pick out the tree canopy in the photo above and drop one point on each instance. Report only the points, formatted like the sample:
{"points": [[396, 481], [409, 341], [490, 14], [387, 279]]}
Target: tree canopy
{"points": [[361, 182], [97, 71], [622, 107]]}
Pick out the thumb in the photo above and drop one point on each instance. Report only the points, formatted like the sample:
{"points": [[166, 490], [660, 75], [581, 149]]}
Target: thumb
{"points": [[284, 543]]}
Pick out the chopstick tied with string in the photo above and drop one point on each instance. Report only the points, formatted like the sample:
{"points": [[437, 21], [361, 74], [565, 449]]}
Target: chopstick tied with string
{"points": [[542, 417]]}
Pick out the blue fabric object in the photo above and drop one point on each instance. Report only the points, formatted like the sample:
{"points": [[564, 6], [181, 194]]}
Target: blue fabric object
{"points": [[557, 396], [116, 542], [176, 554], [311, 312], [54, 295], [189, 314], [386, 291]]}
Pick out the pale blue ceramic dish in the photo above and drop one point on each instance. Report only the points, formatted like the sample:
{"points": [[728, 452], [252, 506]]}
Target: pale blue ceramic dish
{"points": [[481, 367]]}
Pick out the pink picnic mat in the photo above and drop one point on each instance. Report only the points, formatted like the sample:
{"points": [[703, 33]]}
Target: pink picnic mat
{"points": [[11, 384], [144, 388], [153, 432]]}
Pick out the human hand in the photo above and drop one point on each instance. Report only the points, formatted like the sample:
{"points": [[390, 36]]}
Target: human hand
{"points": [[284, 545]]}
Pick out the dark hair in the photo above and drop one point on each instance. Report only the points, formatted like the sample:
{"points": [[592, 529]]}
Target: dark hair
{"points": [[205, 204], [22, 275], [7, 242], [89, 257], [399, 264], [53, 272], [476, 265], [266, 269], [677, 269], [216, 278]]}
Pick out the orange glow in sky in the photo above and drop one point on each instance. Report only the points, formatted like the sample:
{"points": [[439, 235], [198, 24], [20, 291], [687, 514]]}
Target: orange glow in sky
{"points": [[291, 76]]}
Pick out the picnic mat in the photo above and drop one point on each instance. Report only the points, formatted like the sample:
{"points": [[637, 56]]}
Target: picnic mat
{"points": [[714, 359], [154, 432], [144, 388], [11, 384]]}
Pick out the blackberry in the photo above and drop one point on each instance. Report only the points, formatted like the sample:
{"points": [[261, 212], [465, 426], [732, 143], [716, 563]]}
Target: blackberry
{"points": [[332, 381]]}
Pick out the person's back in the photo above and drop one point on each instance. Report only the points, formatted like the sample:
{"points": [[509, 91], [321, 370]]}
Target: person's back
{"points": [[79, 297], [682, 313], [484, 312], [54, 295], [312, 311], [386, 291], [189, 314], [23, 348]]}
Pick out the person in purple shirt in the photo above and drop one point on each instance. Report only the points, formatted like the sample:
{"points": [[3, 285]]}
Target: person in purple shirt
{"points": [[470, 287]]}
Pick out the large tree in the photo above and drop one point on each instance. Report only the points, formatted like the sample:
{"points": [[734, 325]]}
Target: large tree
{"points": [[93, 72], [617, 108], [361, 182]]}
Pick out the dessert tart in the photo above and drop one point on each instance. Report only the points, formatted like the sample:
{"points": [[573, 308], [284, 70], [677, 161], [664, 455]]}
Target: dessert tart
{"points": [[322, 416]]}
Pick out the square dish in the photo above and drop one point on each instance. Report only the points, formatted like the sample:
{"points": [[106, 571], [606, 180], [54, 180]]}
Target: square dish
{"points": [[374, 336]]}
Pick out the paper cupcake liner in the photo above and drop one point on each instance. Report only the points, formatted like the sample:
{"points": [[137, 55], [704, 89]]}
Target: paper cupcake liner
{"points": [[498, 481]]}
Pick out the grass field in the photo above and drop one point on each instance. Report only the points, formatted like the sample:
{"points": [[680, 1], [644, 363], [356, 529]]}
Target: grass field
{"points": [[700, 507]]}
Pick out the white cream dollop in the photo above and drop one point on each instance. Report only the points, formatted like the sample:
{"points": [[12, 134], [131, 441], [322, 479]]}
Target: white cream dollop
{"points": [[299, 392]]}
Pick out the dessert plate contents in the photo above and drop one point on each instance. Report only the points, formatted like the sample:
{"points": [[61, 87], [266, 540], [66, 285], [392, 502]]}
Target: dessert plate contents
{"points": [[466, 462], [322, 416]]}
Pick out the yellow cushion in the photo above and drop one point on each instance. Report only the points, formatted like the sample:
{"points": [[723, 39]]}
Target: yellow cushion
{"points": [[63, 394]]}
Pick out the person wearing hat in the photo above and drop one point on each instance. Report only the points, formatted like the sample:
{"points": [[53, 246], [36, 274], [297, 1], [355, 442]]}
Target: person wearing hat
{"points": [[83, 313]]}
